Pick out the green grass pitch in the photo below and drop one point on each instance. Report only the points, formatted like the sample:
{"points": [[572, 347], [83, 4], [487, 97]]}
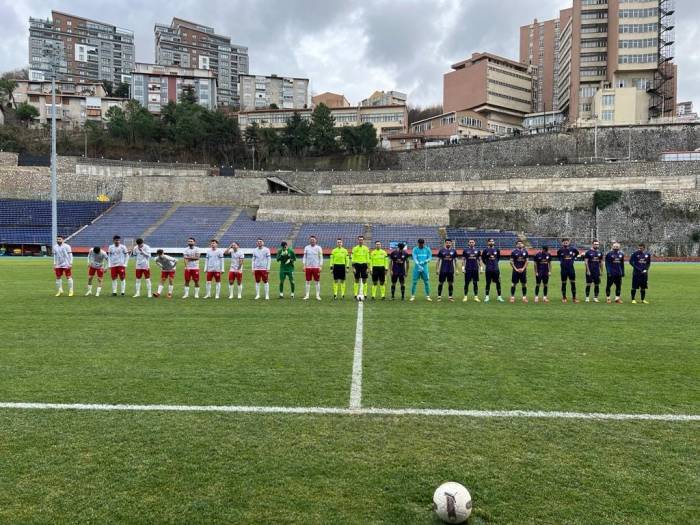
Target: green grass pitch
{"points": [[69, 466]]}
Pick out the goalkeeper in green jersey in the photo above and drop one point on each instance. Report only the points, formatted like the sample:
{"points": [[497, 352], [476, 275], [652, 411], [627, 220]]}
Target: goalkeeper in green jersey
{"points": [[379, 261], [286, 258], [340, 262]]}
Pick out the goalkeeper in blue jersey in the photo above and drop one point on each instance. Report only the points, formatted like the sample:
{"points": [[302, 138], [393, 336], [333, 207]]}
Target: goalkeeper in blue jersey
{"points": [[421, 256]]}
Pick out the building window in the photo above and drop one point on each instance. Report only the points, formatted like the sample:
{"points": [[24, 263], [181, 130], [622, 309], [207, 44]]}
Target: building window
{"points": [[608, 115]]}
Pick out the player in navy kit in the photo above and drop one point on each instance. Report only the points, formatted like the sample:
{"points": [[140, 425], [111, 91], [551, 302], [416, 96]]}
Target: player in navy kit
{"points": [[567, 255], [447, 258], [640, 261], [615, 269], [518, 262], [470, 267], [490, 257], [543, 269], [593, 260], [399, 269]]}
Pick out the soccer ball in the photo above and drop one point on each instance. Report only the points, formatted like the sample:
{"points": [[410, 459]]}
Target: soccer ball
{"points": [[452, 502], [361, 297]]}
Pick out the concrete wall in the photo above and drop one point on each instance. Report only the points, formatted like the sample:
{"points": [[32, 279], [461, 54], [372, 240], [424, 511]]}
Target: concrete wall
{"points": [[8, 158], [228, 190], [647, 143], [313, 181], [35, 183], [116, 169]]}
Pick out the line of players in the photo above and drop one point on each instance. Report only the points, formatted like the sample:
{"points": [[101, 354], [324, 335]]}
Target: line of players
{"points": [[366, 264]]}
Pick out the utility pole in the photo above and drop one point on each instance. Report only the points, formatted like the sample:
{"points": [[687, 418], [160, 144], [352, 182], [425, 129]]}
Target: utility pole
{"points": [[629, 144], [595, 138], [85, 131]]}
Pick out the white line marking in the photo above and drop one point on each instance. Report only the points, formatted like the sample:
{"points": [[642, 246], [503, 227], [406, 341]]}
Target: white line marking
{"points": [[356, 386], [432, 412]]}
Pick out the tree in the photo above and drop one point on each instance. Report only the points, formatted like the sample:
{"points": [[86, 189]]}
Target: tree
{"points": [[16, 74], [122, 90], [296, 135], [109, 87], [188, 96], [274, 106], [26, 113], [418, 113], [116, 123], [323, 130], [7, 88], [359, 139]]}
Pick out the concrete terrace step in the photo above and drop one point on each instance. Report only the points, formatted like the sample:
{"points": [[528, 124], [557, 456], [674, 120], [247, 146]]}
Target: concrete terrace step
{"points": [[160, 221], [227, 224]]}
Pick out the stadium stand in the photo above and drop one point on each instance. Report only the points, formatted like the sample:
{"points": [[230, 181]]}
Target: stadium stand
{"points": [[503, 239], [245, 231], [387, 233], [328, 233], [128, 219], [200, 222], [29, 221]]}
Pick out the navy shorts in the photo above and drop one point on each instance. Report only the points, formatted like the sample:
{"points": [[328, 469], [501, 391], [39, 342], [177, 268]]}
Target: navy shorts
{"points": [[640, 280], [568, 273], [518, 277], [592, 278], [542, 278], [446, 276], [471, 275]]}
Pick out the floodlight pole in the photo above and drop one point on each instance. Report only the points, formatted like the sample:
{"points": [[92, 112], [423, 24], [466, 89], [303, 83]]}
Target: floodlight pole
{"points": [[54, 204]]}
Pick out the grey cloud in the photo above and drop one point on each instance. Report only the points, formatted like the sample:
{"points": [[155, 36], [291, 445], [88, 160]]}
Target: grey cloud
{"points": [[377, 44]]}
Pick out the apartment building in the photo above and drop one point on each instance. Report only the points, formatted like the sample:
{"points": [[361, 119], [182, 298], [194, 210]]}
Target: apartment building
{"points": [[260, 92], [497, 88], [385, 98], [76, 103], [385, 119], [539, 47], [89, 51], [616, 44], [332, 100], [194, 46], [155, 86]]}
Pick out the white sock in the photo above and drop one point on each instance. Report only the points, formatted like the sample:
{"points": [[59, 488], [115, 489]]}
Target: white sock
{"points": [[240, 290], [257, 289], [89, 288], [208, 287], [149, 286], [70, 284], [196, 292], [218, 290], [160, 288], [267, 290], [138, 286], [170, 289], [114, 286], [58, 285], [99, 289], [318, 289], [187, 291], [307, 287], [124, 286]]}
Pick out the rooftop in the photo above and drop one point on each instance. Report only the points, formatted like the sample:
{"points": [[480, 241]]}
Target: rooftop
{"points": [[477, 57]]}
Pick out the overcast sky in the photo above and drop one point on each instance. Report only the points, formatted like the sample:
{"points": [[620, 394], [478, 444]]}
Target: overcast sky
{"points": [[345, 46]]}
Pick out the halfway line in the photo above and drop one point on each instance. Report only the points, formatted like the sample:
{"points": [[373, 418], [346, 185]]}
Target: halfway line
{"points": [[356, 386], [433, 412]]}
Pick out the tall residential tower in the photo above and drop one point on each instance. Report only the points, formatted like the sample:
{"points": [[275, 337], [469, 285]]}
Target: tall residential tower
{"points": [[89, 51], [195, 46]]}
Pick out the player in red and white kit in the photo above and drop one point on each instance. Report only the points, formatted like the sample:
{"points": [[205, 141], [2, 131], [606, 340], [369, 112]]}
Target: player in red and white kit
{"points": [[235, 273], [191, 255], [142, 252], [62, 265], [213, 265], [313, 261], [97, 259], [167, 272], [261, 268], [118, 258]]}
